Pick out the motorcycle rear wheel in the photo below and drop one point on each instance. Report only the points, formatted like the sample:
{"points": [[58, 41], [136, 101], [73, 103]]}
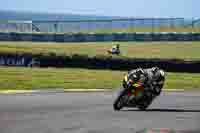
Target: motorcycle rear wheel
{"points": [[143, 107]]}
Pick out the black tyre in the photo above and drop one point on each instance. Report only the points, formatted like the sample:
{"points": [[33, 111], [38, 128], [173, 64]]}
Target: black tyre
{"points": [[143, 107], [119, 102]]}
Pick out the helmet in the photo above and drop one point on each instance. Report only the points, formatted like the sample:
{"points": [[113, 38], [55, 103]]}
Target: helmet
{"points": [[135, 77], [140, 71], [117, 45]]}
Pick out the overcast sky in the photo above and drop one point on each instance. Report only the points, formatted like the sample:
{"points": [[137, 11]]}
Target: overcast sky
{"points": [[130, 8]]}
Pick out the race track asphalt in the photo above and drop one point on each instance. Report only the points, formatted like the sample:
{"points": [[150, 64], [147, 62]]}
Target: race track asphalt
{"points": [[93, 113]]}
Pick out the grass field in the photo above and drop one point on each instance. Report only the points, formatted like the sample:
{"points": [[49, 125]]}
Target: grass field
{"points": [[51, 78], [149, 29], [179, 50]]}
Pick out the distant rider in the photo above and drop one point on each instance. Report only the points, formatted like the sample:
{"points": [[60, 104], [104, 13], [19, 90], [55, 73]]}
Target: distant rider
{"points": [[114, 50]]}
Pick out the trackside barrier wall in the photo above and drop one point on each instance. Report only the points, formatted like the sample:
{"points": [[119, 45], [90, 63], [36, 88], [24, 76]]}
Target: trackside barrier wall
{"points": [[41, 37]]}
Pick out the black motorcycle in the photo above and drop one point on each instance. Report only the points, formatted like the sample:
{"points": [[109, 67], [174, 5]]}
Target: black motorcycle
{"points": [[128, 95]]}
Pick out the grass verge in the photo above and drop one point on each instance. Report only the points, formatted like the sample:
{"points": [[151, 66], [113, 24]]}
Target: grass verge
{"points": [[138, 29], [148, 29], [13, 78], [163, 50]]}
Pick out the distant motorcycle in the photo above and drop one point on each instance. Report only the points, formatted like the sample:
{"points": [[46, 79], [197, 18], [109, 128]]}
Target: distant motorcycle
{"points": [[127, 96]]}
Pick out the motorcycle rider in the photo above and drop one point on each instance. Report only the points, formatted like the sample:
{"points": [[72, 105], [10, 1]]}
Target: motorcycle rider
{"points": [[155, 78], [151, 78], [158, 79]]}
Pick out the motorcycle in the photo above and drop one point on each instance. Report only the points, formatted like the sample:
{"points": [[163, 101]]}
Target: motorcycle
{"points": [[128, 95]]}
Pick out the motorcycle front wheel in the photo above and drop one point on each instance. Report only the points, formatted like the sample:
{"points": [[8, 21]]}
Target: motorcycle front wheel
{"points": [[119, 101]]}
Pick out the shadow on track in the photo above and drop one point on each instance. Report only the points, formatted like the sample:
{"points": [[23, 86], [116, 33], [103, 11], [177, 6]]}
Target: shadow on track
{"points": [[163, 110]]}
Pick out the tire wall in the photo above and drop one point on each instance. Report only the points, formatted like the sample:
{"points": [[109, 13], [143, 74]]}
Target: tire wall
{"points": [[82, 61]]}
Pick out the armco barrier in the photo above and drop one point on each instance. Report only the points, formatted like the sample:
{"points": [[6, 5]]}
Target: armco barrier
{"points": [[41, 37], [82, 61], [20, 37], [5, 37]]}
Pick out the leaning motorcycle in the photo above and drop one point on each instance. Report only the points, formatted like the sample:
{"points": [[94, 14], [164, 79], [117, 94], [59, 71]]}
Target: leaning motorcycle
{"points": [[127, 96]]}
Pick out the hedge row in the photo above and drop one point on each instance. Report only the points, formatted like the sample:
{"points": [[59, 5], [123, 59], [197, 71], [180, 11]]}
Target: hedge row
{"points": [[102, 62]]}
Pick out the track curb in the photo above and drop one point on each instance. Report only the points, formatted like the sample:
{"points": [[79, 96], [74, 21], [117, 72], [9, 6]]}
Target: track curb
{"points": [[173, 90], [17, 91], [71, 90]]}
